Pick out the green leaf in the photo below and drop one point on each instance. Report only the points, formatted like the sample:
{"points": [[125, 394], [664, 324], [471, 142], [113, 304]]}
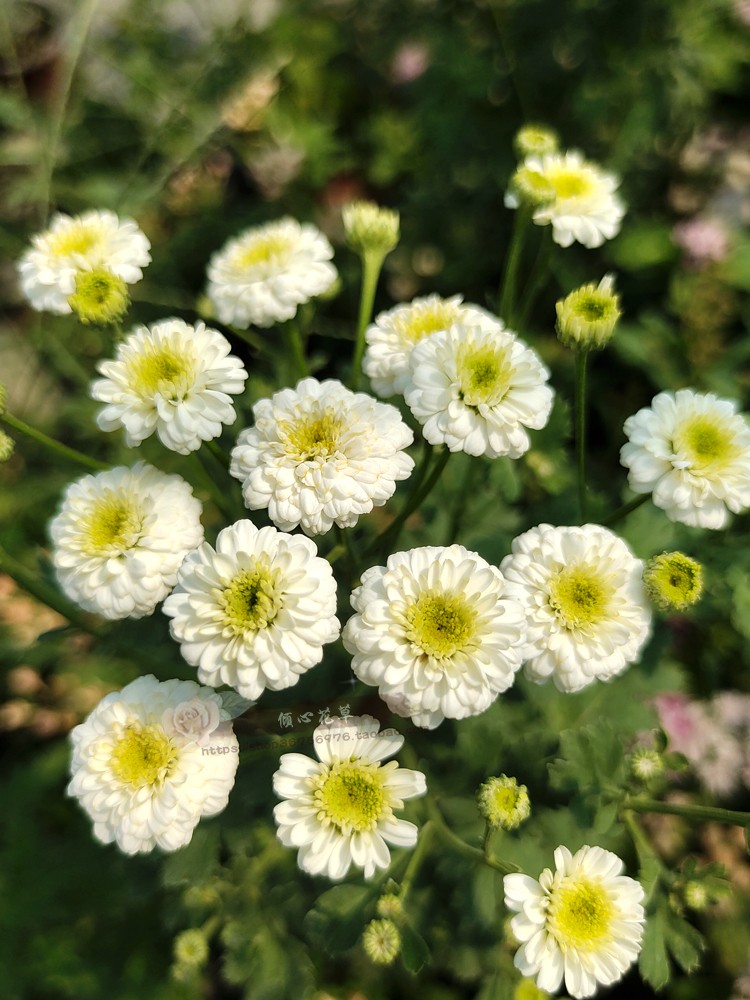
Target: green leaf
{"points": [[653, 963], [195, 863], [414, 951], [335, 922], [684, 942]]}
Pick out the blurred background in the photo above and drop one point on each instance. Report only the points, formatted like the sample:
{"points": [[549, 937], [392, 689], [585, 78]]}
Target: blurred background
{"points": [[200, 119]]}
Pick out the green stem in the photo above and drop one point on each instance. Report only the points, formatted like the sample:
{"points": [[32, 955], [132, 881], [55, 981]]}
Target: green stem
{"points": [[461, 847], [580, 412], [643, 845], [689, 811], [248, 338], [211, 485], [57, 446], [218, 454], [297, 361], [461, 503], [85, 13], [343, 539], [507, 307], [539, 272], [627, 508], [46, 594], [371, 266], [416, 859], [389, 537]]}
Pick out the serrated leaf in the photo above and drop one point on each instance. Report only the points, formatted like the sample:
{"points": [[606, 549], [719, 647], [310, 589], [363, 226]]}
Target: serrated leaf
{"points": [[684, 942], [414, 951], [653, 962], [336, 920], [605, 818], [196, 862]]}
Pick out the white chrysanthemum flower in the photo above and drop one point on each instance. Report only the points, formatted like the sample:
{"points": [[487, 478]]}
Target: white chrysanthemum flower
{"points": [[256, 611], [477, 390], [437, 631], [93, 240], [145, 785], [321, 454], [172, 378], [393, 335], [583, 206], [585, 603], [339, 810], [121, 536], [582, 923], [692, 452], [262, 276]]}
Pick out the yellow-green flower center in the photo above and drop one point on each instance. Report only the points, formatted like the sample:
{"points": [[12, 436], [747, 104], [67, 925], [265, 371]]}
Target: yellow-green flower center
{"points": [[113, 525], [707, 443], [100, 297], [270, 249], [77, 239], [162, 370], [429, 318], [570, 183], [252, 600], [440, 624], [316, 436], [580, 914], [143, 755], [484, 375], [350, 796], [580, 596]]}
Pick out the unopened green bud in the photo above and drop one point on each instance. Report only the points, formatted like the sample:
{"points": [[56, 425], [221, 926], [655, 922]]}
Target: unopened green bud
{"points": [[696, 896], [191, 949], [7, 446], [381, 941], [646, 764], [370, 229], [100, 297], [390, 906], [535, 140], [503, 802], [587, 317], [531, 187], [673, 581]]}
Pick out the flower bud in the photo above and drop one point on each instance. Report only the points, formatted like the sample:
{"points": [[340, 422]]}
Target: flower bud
{"points": [[646, 764], [7, 446], [503, 802], [529, 187], [370, 229], [673, 581], [191, 949], [696, 895], [587, 317], [390, 906], [535, 140], [381, 941], [3, 399], [100, 297]]}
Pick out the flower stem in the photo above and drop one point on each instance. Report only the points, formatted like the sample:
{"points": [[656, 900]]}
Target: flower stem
{"points": [[57, 446], [371, 266], [389, 537], [460, 846], [418, 856], [689, 811], [627, 508], [507, 307], [46, 594], [539, 272], [297, 360], [580, 411]]}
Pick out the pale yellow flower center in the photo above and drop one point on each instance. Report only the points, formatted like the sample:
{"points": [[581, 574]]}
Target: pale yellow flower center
{"points": [[484, 375], [316, 436], [570, 183], [440, 624], [252, 600], [580, 914], [162, 371], [269, 249], [351, 797], [580, 596], [113, 524], [143, 755], [100, 297], [707, 443], [428, 318], [77, 239]]}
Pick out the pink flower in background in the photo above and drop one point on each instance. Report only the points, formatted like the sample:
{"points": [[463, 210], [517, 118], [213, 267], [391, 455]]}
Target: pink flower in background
{"points": [[409, 62], [703, 239]]}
